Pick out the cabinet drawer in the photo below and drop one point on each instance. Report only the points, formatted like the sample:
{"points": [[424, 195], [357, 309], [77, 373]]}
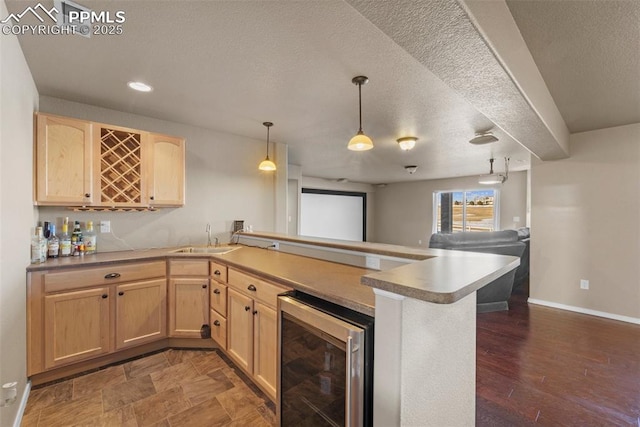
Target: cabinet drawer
{"points": [[257, 289], [219, 272], [218, 300], [189, 267], [219, 329], [107, 275]]}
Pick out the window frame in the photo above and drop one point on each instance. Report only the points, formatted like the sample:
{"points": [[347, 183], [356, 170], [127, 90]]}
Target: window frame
{"points": [[496, 208]]}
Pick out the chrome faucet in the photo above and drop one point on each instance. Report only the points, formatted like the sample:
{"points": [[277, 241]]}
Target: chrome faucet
{"points": [[208, 230]]}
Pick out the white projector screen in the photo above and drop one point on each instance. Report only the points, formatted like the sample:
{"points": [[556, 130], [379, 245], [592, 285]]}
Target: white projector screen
{"points": [[333, 214]]}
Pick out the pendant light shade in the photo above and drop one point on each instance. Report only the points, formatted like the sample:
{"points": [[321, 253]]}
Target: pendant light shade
{"points": [[360, 142], [267, 164]]}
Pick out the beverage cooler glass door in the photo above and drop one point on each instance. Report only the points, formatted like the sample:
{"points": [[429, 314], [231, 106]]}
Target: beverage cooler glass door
{"points": [[320, 367]]}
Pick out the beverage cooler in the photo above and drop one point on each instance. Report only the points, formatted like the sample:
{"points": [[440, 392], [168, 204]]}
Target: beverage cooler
{"points": [[325, 363]]}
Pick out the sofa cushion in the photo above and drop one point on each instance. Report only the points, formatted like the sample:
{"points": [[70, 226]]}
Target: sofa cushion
{"points": [[482, 238]]}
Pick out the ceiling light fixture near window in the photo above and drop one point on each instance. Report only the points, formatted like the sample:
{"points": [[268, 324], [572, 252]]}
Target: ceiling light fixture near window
{"points": [[495, 178], [140, 87], [360, 142], [266, 164], [482, 138], [407, 143]]}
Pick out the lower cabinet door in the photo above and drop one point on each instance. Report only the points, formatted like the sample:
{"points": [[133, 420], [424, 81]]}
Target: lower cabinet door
{"points": [[265, 330], [240, 329], [76, 326], [218, 329], [141, 312], [188, 307]]}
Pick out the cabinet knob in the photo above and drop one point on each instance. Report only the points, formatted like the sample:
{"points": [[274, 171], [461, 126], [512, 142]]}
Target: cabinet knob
{"points": [[105, 296], [247, 308], [216, 323], [251, 288], [216, 291], [121, 293], [112, 276], [87, 195], [204, 286], [151, 198], [217, 272], [255, 312]]}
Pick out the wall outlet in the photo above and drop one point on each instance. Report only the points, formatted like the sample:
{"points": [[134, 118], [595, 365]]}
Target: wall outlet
{"points": [[372, 262], [584, 284], [105, 226], [516, 219]]}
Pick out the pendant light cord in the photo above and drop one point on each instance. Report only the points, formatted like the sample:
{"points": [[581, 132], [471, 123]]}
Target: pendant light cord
{"points": [[360, 105], [268, 142]]}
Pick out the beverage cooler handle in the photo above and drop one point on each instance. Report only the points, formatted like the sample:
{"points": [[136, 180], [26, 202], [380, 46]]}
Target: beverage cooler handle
{"points": [[347, 411]]}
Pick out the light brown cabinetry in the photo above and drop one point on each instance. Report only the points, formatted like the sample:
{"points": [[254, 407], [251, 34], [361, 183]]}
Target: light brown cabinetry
{"points": [[252, 326], [188, 297], [80, 314], [218, 304], [63, 172], [82, 163]]}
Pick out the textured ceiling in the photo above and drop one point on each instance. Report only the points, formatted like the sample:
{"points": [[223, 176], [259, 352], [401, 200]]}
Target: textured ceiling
{"points": [[230, 65], [588, 53]]}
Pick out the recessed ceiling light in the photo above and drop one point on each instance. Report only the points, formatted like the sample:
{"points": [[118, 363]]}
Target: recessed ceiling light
{"points": [[140, 87]]}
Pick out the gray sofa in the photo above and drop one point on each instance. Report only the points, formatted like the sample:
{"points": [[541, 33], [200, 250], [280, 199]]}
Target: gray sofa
{"points": [[494, 296]]}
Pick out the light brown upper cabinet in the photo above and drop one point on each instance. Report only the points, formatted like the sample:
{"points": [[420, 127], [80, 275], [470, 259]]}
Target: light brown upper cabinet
{"points": [[63, 172], [81, 163], [165, 179]]}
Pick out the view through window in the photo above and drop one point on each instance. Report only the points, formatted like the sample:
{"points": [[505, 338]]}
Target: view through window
{"points": [[469, 210]]}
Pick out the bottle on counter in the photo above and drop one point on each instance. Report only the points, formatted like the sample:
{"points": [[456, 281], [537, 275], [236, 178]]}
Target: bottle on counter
{"points": [[65, 239], [77, 248], [53, 243], [89, 239], [38, 247]]}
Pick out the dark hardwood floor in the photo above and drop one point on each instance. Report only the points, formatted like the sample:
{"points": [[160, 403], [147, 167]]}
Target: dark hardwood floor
{"points": [[538, 365]]}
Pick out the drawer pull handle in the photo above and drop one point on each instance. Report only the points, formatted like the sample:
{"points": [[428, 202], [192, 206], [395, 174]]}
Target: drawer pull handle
{"points": [[121, 293], [216, 323], [204, 286], [216, 291], [247, 308], [217, 272], [251, 288], [112, 276], [105, 296]]}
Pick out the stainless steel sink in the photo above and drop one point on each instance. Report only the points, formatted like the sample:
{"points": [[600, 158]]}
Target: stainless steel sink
{"points": [[219, 250]]}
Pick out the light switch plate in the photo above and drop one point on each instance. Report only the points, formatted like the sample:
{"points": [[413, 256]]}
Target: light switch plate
{"points": [[105, 226]]}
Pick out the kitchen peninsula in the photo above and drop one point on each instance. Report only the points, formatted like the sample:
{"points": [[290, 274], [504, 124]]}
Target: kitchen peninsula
{"points": [[423, 302]]}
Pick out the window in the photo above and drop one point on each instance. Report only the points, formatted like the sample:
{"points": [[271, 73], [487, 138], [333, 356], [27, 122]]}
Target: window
{"points": [[469, 210]]}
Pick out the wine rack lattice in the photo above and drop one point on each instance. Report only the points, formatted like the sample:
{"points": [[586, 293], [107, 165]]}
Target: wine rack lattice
{"points": [[120, 176]]}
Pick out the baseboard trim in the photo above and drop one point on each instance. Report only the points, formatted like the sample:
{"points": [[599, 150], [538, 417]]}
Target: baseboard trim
{"points": [[23, 404], [588, 311]]}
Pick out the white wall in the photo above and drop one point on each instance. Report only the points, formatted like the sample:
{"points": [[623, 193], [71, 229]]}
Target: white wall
{"points": [[404, 211], [18, 101], [585, 224], [223, 184]]}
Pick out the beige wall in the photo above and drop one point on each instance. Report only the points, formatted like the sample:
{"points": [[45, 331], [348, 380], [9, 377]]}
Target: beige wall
{"points": [[585, 223], [404, 211], [223, 184], [18, 101]]}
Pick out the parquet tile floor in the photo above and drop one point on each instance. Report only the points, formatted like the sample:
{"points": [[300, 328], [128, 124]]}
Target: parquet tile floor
{"points": [[167, 389]]}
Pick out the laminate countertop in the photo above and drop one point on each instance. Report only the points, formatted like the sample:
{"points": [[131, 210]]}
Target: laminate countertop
{"points": [[334, 282]]}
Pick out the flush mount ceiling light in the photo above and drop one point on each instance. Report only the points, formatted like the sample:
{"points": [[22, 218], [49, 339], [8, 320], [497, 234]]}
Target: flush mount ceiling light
{"points": [[266, 164], [140, 87], [360, 142], [495, 178], [483, 138], [411, 169], [407, 143]]}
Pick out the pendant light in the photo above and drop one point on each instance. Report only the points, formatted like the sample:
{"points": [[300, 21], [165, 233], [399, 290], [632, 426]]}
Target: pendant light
{"points": [[360, 142], [266, 164]]}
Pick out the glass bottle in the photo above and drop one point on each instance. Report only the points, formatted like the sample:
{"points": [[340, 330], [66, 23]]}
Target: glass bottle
{"points": [[89, 239], [76, 239], [53, 243], [65, 240], [36, 246]]}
